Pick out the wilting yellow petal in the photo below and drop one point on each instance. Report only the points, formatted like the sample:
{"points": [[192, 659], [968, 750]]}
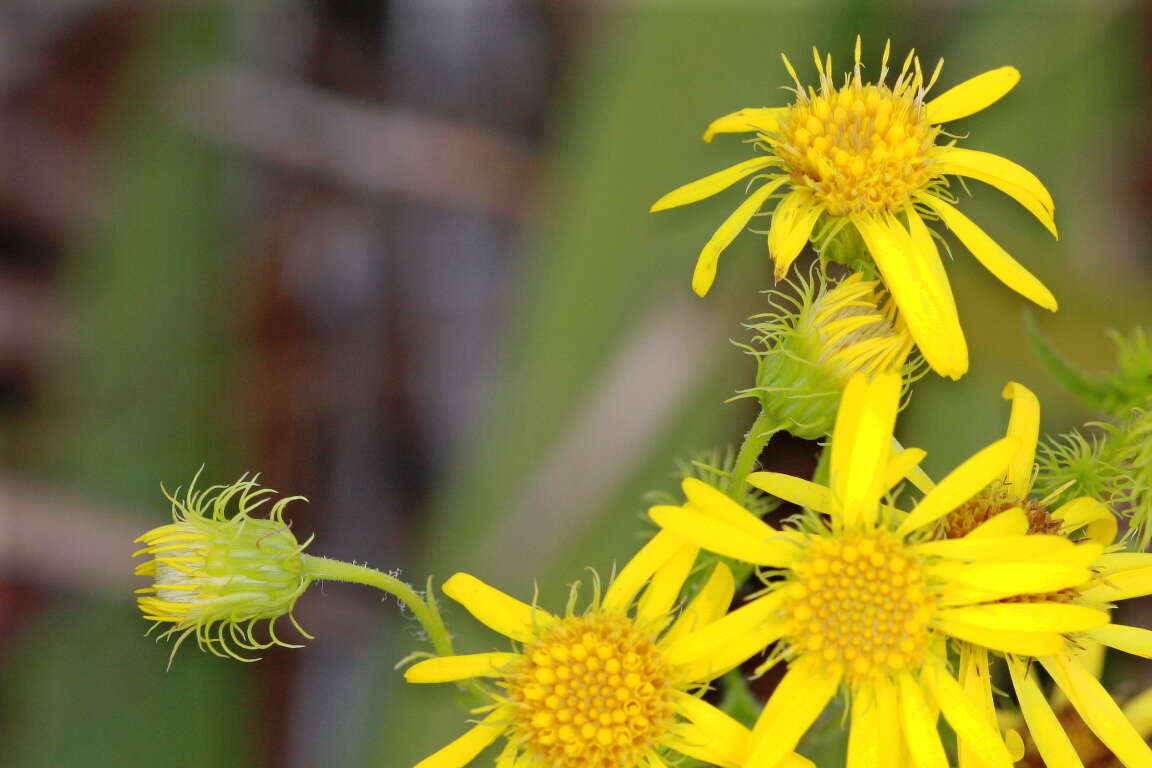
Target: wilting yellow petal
{"points": [[901, 465], [989, 253], [1013, 180], [1024, 425], [705, 273], [444, 669], [759, 119], [500, 612], [792, 223], [1090, 514], [696, 191], [972, 95], [961, 484]]}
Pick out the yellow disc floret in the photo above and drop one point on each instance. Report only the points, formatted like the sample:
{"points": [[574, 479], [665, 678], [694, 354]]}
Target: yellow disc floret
{"points": [[592, 692], [860, 148], [861, 603]]}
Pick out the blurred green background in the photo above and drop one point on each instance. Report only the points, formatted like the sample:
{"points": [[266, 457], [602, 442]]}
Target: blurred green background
{"points": [[397, 256]]}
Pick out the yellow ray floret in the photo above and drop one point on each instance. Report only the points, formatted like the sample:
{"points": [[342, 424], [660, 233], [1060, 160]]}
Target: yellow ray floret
{"points": [[602, 688], [873, 156], [869, 597]]}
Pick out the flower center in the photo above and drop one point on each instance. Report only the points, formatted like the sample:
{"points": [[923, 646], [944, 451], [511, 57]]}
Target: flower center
{"points": [[861, 604], [859, 149], [593, 692]]}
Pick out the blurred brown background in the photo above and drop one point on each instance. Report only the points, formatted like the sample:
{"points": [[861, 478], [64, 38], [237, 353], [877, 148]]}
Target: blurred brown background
{"points": [[395, 256]]}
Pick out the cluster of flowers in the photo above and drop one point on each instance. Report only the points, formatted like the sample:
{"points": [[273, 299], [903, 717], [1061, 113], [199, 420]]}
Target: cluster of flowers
{"points": [[901, 597]]}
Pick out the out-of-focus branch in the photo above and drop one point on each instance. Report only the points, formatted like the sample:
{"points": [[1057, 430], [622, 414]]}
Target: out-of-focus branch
{"points": [[376, 150]]}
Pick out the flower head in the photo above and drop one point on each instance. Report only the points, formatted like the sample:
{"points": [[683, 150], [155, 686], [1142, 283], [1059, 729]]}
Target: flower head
{"points": [[216, 575], [808, 350], [603, 688], [860, 596], [864, 160]]}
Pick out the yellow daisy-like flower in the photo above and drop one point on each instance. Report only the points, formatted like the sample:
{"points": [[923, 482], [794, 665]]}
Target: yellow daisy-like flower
{"points": [[216, 575], [597, 689], [1006, 508], [860, 597], [866, 155]]}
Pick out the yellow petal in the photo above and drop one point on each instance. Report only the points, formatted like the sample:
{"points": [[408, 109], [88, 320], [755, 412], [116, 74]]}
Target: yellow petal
{"points": [[720, 506], [1023, 643], [900, 465], [1044, 727], [464, 749], [759, 119], [992, 255], [731, 653], [1099, 711], [864, 736], [794, 489], [961, 484], [1122, 585], [793, 707], [1134, 640], [664, 589], [920, 732], [1009, 579], [1088, 513], [999, 549], [500, 612], [709, 604], [711, 639], [792, 223], [632, 577], [1010, 522], [446, 669], [972, 95], [975, 679], [857, 471], [723, 739], [973, 729], [1029, 617], [696, 191], [1024, 425], [917, 475], [922, 292], [1139, 713], [724, 539], [705, 273], [1013, 180]]}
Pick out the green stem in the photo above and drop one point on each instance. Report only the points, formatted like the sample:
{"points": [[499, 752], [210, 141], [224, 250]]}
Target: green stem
{"points": [[425, 612], [754, 441]]}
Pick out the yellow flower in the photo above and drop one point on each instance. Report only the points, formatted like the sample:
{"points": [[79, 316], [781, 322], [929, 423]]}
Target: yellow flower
{"points": [[859, 597], [216, 576], [1007, 508], [866, 154], [596, 689], [811, 346]]}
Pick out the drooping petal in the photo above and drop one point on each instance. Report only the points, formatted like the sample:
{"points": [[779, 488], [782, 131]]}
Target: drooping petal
{"points": [[921, 290], [709, 604], [792, 224], [1029, 617], [700, 189], [961, 484], [724, 539], [664, 589], [794, 489], [861, 444], [499, 611], [705, 273], [1099, 711], [973, 729], [1090, 514], [920, 732], [917, 475], [793, 707], [1051, 740], [1013, 180], [1134, 640], [992, 255], [632, 577], [972, 95], [1024, 425], [901, 465], [1023, 643], [759, 119], [464, 749], [444, 669]]}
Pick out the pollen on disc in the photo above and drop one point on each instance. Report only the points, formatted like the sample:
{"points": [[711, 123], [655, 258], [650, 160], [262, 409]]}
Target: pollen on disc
{"points": [[860, 604], [593, 692]]}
